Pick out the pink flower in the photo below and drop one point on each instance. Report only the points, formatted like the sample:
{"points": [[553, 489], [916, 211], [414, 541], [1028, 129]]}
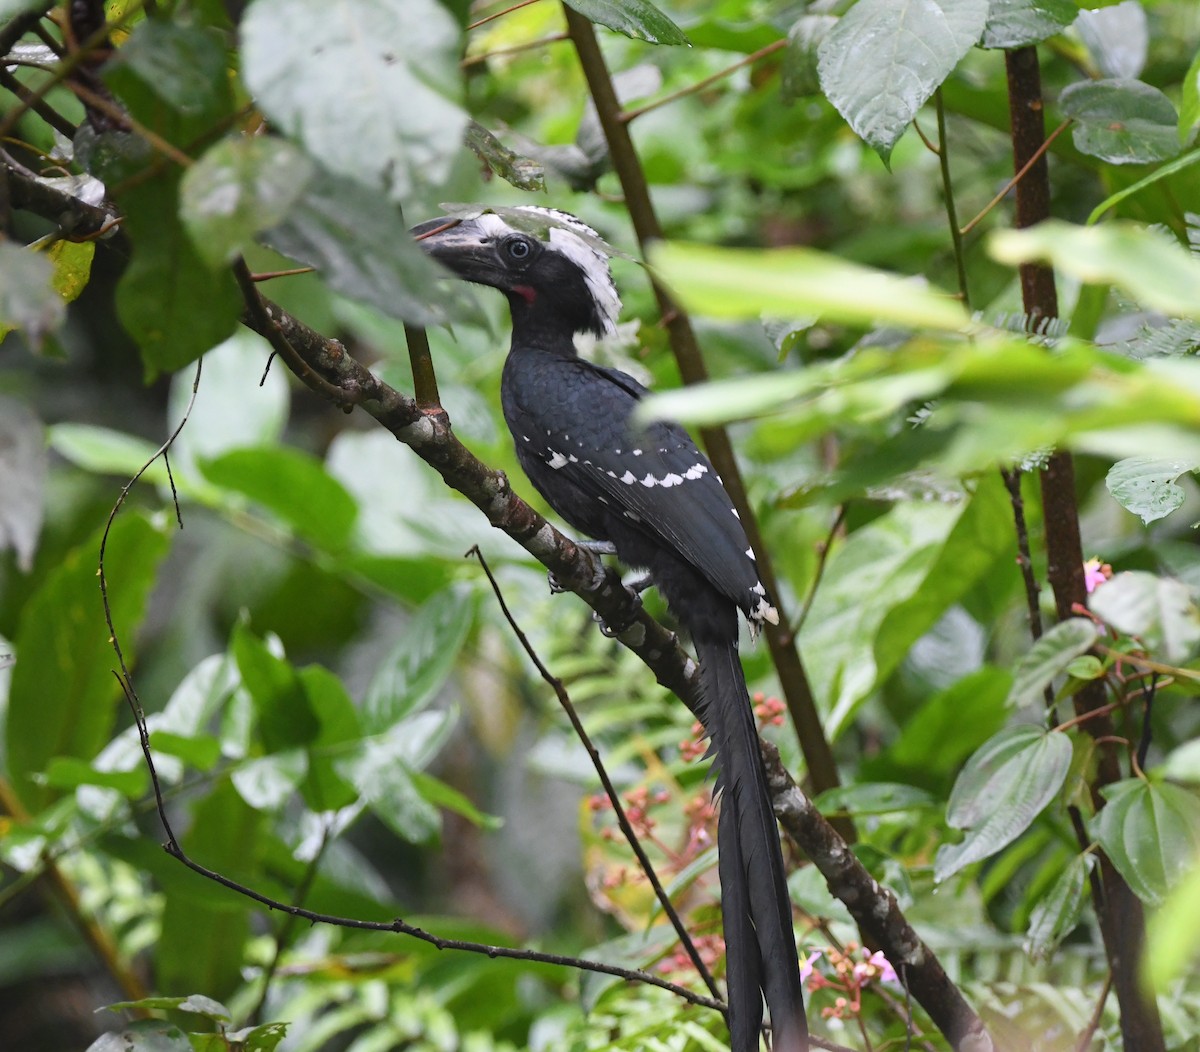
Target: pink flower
{"points": [[883, 967], [1095, 573], [806, 965]]}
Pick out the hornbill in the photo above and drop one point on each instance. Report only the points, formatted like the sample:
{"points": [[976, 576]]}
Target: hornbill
{"points": [[649, 496]]}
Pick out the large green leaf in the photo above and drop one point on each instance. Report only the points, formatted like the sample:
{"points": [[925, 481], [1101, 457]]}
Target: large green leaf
{"points": [[368, 86], [1158, 610], [1152, 267], [1121, 121], [639, 19], [999, 793], [174, 305], [739, 283], [1049, 657], [1189, 103], [1146, 485], [238, 189], [292, 485], [362, 248], [285, 715], [1173, 935], [1151, 833], [1017, 23], [63, 697], [883, 60]]}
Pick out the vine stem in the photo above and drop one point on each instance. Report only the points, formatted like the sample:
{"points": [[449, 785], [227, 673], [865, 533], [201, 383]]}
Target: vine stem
{"points": [[614, 798]]}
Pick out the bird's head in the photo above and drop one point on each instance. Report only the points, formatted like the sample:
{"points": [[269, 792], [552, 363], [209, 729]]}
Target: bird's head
{"points": [[552, 267]]}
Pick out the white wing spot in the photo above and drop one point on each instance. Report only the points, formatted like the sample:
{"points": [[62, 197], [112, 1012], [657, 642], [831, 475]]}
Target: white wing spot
{"points": [[735, 514], [695, 471], [764, 611], [632, 517], [750, 553], [758, 589], [671, 480], [649, 481], [629, 478], [575, 460], [611, 474], [557, 460], [637, 452]]}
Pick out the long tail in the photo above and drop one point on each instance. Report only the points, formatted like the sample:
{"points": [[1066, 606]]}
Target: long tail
{"points": [[760, 945]]}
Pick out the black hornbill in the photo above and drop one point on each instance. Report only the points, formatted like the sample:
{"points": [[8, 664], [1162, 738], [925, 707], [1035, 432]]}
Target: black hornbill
{"points": [[652, 498]]}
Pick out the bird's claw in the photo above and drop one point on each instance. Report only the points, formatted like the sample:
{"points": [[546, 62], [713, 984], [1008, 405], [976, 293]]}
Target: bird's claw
{"points": [[611, 632]]}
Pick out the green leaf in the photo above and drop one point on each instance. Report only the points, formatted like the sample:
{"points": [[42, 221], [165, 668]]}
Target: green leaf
{"points": [[1018, 23], [27, 298], [1117, 38], [363, 249], [875, 798], [70, 772], [238, 189], [285, 717], [1173, 935], [1151, 833], [145, 1035], [1183, 763], [421, 661], [522, 172], [268, 782], [383, 778], [742, 283], [200, 751], [1087, 667], [798, 74], [72, 267], [173, 77], [292, 485], [1049, 657], [1151, 267], [1146, 485], [883, 60], [172, 303], [1158, 610], [324, 789], [1121, 121], [440, 794], [999, 793], [63, 697], [635, 18], [1058, 911], [203, 936], [106, 452], [1189, 103], [367, 86]]}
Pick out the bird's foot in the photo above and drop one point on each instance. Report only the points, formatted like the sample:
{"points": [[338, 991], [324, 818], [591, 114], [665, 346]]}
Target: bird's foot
{"points": [[612, 631], [597, 548]]}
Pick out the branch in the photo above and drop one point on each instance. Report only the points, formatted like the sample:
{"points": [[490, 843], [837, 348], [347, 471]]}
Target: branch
{"points": [[793, 679], [1122, 922]]}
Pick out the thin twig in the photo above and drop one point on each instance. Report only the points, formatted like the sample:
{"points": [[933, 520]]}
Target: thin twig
{"points": [[269, 275], [1021, 172], [39, 106], [516, 49], [691, 89], [960, 263], [564, 699], [114, 112], [819, 572], [1085, 1039], [500, 14]]}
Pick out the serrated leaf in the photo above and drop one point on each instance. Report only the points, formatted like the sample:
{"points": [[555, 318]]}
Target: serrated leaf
{"points": [[357, 241], [27, 298], [1049, 657], [882, 61], [1121, 121], [367, 86], [1018, 23], [634, 18], [1158, 610], [1151, 833], [1002, 789], [1058, 911], [238, 189], [1155, 269], [292, 485], [1146, 485]]}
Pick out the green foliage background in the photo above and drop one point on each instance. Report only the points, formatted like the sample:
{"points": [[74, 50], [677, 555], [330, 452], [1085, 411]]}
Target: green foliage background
{"points": [[339, 715]]}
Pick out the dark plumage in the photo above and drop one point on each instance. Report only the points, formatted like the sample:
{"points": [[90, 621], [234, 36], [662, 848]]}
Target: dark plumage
{"points": [[654, 496]]}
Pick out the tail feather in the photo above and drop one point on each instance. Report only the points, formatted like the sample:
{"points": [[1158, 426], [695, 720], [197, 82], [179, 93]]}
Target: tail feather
{"points": [[759, 940]]}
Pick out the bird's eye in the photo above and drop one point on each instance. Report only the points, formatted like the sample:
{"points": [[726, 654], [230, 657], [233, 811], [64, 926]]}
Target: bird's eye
{"points": [[518, 248]]}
